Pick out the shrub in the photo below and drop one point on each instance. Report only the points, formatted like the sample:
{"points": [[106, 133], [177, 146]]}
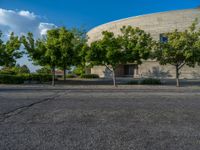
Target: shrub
{"points": [[19, 79], [21, 69], [11, 79], [150, 81], [89, 76], [133, 82], [79, 71], [70, 76], [44, 70], [46, 78], [7, 71], [39, 77], [15, 70]]}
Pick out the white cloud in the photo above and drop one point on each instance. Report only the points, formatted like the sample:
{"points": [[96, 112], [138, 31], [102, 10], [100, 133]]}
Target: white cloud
{"points": [[27, 14], [22, 22], [44, 27]]}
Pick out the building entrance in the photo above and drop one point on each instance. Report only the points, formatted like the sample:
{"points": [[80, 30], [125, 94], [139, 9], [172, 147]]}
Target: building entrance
{"points": [[129, 70]]}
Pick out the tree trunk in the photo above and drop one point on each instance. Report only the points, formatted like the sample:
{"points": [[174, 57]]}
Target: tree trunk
{"points": [[113, 74], [64, 73], [177, 76], [114, 78], [53, 76]]}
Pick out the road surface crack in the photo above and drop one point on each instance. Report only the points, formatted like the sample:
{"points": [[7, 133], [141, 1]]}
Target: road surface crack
{"points": [[21, 109]]}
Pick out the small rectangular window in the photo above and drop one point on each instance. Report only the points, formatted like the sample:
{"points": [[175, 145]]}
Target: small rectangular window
{"points": [[163, 38]]}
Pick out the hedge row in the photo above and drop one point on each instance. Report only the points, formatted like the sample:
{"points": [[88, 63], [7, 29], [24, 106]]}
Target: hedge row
{"points": [[19, 79], [148, 81], [89, 76], [70, 76], [11, 79]]}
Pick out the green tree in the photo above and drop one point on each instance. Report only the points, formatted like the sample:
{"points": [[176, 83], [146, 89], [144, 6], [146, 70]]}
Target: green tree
{"points": [[182, 48], [44, 70], [8, 71], [23, 69], [107, 52], [17, 69], [55, 50], [2, 47], [20, 69], [131, 46], [136, 44], [10, 51], [66, 47], [80, 48], [44, 52]]}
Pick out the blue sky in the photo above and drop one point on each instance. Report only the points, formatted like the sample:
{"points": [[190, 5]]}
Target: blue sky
{"points": [[90, 13], [38, 16]]}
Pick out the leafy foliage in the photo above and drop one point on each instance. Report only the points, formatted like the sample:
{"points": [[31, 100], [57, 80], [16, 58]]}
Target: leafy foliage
{"points": [[36, 49], [80, 48], [21, 69], [150, 81], [182, 48], [66, 47], [133, 82], [21, 78], [136, 44], [107, 52], [8, 71], [44, 52], [44, 70], [9, 51], [70, 76], [89, 76], [131, 46], [11, 79], [57, 49], [79, 71], [15, 70]]}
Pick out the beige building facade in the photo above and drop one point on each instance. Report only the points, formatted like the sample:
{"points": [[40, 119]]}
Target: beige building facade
{"points": [[155, 24]]}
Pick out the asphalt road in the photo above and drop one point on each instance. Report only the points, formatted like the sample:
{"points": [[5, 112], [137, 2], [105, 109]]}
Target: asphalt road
{"points": [[99, 118]]}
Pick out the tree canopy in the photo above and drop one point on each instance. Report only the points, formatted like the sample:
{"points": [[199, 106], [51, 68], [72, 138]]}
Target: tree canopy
{"points": [[43, 52], [10, 50], [136, 44], [80, 48], [107, 52], [182, 48], [56, 49], [131, 46]]}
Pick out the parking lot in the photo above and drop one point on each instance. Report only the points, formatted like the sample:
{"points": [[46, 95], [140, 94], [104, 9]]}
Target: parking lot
{"points": [[99, 117]]}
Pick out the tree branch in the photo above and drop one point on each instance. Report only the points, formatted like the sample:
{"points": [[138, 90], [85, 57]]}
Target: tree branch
{"points": [[181, 65], [108, 68]]}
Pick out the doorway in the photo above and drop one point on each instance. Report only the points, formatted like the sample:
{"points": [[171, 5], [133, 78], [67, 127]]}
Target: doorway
{"points": [[129, 70]]}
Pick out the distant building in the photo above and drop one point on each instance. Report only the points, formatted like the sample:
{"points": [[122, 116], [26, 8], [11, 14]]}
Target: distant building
{"points": [[59, 73], [155, 24]]}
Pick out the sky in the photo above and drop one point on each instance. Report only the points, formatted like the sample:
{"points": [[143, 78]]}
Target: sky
{"points": [[38, 16]]}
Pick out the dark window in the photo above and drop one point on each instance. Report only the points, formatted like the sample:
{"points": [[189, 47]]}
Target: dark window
{"points": [[163, 38], [130, 70]]}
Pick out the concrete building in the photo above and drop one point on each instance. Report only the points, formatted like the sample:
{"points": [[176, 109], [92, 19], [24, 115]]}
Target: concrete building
{"points": [[155, 24]]}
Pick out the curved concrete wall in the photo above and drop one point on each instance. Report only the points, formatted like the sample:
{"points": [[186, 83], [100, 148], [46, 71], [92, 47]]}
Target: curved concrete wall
{"points": [[155, 24]]}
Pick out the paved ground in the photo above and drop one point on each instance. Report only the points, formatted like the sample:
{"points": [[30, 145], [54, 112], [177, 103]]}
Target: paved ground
{"points": [[99, 118]]}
